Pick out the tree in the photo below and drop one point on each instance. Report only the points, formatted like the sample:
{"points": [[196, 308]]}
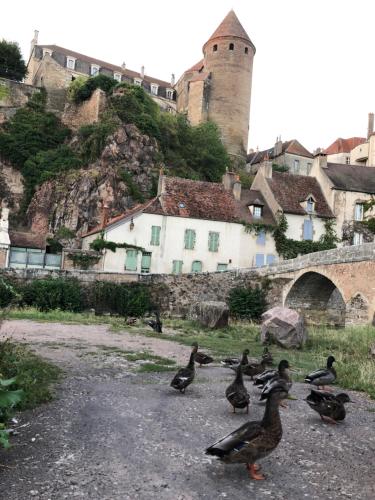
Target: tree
{"points": [[12, 65]]}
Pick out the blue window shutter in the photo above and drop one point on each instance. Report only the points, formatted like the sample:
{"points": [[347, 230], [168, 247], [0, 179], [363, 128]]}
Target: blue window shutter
{"points": [[196, 266], [177, 267], [155, 235], [131, 260], [222, 267], [213, 241], [270, 259], [307, 229], [189, 239], [261, 238], [259, 260]]}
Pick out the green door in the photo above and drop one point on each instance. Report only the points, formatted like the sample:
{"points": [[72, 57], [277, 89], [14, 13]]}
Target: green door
{"points": [[146, 262], [197, 266], [131, 260]]}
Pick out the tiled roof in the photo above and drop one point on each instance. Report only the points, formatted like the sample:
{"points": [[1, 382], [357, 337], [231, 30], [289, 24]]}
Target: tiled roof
{"points": [[291, 190], [197, 67], [230, 27], [254, 197], [293, 147], [103, 64], [200, 77], [344, 145], [351, 177], [27, 240]]}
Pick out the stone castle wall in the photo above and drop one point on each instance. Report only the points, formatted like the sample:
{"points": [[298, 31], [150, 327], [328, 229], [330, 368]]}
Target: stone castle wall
{"points": [[13, 95], [89, 111]]}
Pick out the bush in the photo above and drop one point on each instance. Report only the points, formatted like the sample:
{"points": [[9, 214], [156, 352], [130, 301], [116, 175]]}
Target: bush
{"points": [[12, 65], [247, 303], [82, 90], [123, 299], [7, 293], [59, 293], [93, 138]]}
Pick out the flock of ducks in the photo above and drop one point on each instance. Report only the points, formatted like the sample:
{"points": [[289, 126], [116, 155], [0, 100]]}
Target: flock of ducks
{"points": [[255, 440]]}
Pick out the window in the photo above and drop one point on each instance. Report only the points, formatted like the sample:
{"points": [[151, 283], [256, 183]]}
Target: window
{"points": [[117, 76], [215, 48], [131, 260], [155, 235], [259, 260], [222, 267], [137, 81], [146, 262], [307, 229], [70, 62], [257, 212], [347, 160], [46, 51], [196, 266], [170, 93], [246, 50], [296, 166], [357, 239], [261, 238], [94, 70], [358, 211], [231, 46], [177, 267], [213, 241], [154, 88], [270, 259], [310, 205], [308, 169], [189, 239]]}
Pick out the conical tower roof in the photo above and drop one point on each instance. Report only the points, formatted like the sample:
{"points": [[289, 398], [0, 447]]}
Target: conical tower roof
{"points": [[230, 27]]}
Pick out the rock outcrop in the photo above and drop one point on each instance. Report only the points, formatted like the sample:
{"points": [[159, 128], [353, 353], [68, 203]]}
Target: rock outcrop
{"points": [[75, 200], [211, 314], [283, 327]]}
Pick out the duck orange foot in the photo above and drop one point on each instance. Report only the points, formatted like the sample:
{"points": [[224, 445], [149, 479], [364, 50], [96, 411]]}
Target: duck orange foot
{"points": [[253, 470]]}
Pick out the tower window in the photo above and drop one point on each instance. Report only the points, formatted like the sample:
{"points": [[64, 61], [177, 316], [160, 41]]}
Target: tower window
{"points": [[231, 46], [214, 48], [246, 50]]}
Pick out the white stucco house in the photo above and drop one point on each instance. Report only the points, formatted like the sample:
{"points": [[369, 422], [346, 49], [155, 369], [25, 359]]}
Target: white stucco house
{"points": [[190, 226]]}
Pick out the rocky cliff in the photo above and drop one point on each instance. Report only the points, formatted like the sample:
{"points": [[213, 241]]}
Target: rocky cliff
{"points": [[123, 175]]}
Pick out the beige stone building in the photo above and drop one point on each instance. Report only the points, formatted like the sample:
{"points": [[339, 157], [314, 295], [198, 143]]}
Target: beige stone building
{"points": [[340, 150], [218, 87]]}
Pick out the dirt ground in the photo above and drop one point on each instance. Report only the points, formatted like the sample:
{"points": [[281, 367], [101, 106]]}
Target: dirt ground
{"points": [[114, 434]]}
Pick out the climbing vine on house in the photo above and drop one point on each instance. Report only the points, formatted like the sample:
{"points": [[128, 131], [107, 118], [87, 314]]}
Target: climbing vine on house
{"points": [[83, 260], [100, 244]]}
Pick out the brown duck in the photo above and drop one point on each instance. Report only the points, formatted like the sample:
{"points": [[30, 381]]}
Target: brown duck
{"points": [[237, 394], [200, 357], [185, 376]]}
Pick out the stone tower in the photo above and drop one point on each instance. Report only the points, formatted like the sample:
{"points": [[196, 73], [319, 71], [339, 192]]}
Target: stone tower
{"points": [[218, 88]]}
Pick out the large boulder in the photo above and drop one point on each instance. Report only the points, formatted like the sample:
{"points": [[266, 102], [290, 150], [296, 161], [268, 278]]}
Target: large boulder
{"points": [[211, 314], [284, 327]]}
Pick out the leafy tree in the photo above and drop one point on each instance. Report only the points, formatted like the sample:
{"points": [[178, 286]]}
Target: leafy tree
{"points": [[12, 65], [81, 89]]}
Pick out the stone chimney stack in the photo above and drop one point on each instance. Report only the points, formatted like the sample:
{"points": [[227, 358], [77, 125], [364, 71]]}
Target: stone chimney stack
{"points": [[266, 167], [172, 80], [278, 148], [123, 65], [142, 72], [161, 183], [34, 42], [237, 190], [321, 158], [228, 179], [370, 126]]}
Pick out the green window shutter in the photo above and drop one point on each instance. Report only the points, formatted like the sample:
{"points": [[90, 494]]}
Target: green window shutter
{"points": [[222, 267], [131, 260], [197, 266], [213, 241], [155, 235], [146, 262], [189, 239], [177, 267]]}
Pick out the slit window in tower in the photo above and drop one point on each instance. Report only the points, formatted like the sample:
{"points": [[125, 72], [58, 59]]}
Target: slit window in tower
{"points": [[215, 48], [231, 46], [246, 50]]}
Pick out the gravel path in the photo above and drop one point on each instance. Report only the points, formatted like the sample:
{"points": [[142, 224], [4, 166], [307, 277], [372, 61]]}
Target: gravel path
{"points": [[112, 434]]}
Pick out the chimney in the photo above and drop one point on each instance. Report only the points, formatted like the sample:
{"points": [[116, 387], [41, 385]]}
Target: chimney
{"points": [[34, 42], [278, 148], [104, 217], [142, 72], [228, 179], [123, 65], [370, 126], [172, 80], [266, 167], [321, 158], [161, 183], [237, 190]]}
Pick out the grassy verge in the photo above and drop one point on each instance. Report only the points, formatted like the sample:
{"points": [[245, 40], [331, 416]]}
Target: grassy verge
{"points": [[57, 316]]}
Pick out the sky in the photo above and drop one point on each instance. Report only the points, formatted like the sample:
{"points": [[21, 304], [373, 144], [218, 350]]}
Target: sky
{"points": [[313, 75]]}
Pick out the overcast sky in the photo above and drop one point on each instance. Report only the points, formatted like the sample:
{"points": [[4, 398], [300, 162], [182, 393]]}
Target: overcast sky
{"points": [[314, 72]]}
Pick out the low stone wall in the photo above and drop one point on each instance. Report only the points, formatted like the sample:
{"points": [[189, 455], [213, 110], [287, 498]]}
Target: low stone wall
{"points": [[13, 95], [86, 113]]}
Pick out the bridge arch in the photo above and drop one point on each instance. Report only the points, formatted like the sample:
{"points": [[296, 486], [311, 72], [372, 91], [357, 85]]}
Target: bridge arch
{"points": [[318, 299]]}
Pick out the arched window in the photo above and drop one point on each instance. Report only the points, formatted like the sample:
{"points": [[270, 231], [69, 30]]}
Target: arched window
{"points": [[231, 46], [215, 48], [246, 50]]}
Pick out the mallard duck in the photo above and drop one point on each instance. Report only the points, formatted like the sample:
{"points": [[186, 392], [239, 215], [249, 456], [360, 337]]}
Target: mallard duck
{"points": [[156, 324], [323, 376], [185, 376], [282, 372], [267, 356], [253, 369], [201, 357], [330, 407], [236, 393], [235, 361], [254, 440]]}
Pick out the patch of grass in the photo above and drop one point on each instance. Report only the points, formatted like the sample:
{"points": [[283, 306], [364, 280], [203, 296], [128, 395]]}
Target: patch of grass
{"points": [[152, 368], [34, 375], [137, 356]]}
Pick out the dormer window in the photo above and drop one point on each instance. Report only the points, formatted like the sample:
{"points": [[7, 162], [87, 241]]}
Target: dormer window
{"points": [[257, 212], [137, 81], [70, 62], [47, 51], [170, 93], [154, 88], [117, 77], [310, 205], [94, 70]]}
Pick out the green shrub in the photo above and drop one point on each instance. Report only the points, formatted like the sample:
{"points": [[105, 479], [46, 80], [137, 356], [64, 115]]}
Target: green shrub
{"points": [[131, 299], [83, 89], [12, 65], [247, 303], [7, 293], [92, 139], [59, 293]]}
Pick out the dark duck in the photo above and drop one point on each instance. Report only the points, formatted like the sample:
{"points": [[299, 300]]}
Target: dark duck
{"points": [[330, 407], [201, 358], [282, 372], [185, 376], [235, 361], [236, 393], [323, 376], [156, 323]]}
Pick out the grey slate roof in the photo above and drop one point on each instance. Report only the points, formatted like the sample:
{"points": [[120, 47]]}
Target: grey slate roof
{"points": [[351, 177]]}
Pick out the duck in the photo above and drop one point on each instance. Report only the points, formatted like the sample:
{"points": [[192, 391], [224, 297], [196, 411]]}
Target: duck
{"points": [[267, 356], [185, 376], [236, 361], [156, 324], [330, 407], [282, 372], [323, 376], [236, 393], [255, 439], [201, 357], [253, 369]]}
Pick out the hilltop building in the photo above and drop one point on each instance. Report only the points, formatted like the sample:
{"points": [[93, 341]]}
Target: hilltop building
{"points": [[339, 150]]}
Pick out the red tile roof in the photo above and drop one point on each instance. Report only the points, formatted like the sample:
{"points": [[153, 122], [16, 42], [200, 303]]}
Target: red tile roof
{"points": [[103, 64], [293, 147], [230, 27], [291, 190], [197, 67], [344, 145]]}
